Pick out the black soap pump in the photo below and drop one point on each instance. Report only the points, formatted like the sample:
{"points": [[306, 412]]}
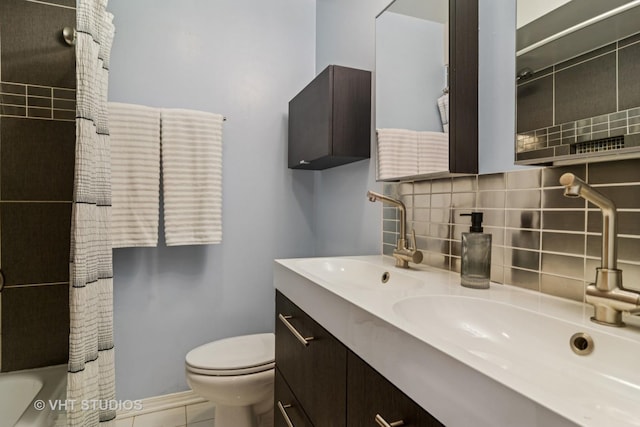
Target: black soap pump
{"points": [[475, 271]]}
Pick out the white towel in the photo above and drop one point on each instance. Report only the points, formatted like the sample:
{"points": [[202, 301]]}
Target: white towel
{"points": [[443, 107], [433, 152], [397, 153], [192, 177], [135, 177]]}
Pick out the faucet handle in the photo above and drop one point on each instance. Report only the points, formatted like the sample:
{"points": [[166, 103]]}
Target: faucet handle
{"points": [[416, 256], [413, 244]]}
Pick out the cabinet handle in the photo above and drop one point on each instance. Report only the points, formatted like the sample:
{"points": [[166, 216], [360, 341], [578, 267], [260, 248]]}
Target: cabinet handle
{"points": [[283, 411], [285, 319], [305, 162], [383, 423]]}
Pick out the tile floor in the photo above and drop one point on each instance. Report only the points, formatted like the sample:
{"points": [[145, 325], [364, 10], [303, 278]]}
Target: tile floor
{"points": [[196, 415]]}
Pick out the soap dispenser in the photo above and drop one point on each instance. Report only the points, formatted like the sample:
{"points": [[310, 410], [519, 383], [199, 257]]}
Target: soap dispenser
{"points": [[475, 271]]}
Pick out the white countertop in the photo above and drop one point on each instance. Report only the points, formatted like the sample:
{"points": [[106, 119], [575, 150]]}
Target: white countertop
{"points": [[496, 357]]}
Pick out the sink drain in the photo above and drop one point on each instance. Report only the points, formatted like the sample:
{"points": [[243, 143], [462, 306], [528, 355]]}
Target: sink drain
{"points": [[581, 343], [385, 277]]}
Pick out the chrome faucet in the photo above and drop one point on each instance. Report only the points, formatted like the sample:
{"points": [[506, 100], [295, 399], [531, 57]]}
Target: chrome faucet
{"points": [[402, 253], [607, 294]]}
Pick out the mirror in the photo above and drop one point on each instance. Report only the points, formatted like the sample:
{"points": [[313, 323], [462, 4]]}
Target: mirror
{"points": [[578, 95], [414, 41], [412, 56]]}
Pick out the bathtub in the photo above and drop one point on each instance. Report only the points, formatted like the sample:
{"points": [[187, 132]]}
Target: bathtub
{"points": [[20, 390]]}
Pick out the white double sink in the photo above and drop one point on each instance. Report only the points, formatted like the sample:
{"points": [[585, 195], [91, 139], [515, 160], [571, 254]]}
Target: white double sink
{"points": [[497, 357]]}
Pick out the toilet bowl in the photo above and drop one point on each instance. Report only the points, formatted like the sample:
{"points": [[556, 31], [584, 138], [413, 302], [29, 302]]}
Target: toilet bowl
{"points": [[236, 374]]}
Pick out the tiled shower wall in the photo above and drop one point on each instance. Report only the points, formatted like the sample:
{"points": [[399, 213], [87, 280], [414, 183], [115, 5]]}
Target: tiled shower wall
{"points": [[591, 97], [37, 140], [541, 240]]}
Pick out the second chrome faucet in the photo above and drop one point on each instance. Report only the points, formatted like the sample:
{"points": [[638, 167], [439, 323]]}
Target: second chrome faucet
{"points": [[403, 253], [606, 294]]}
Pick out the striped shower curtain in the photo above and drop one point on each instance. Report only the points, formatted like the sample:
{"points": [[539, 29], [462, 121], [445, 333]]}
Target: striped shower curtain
{"points": [[90, 381]]}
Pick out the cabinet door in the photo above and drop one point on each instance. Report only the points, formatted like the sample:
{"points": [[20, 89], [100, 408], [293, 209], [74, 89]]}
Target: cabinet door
{"points": [[316, 373], [371, 395], [287, 410], [310, 114], [351, 114]]}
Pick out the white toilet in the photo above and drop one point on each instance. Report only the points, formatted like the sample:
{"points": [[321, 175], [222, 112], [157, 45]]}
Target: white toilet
{"points": [[236, 374]]}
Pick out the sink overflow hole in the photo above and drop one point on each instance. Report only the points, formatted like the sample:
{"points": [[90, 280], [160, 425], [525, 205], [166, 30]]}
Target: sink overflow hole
{"points": [[385, 277], [581, 343]]}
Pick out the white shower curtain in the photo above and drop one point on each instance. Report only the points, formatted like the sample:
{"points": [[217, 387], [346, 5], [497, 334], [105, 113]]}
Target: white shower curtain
{"points": [[90, 382]]}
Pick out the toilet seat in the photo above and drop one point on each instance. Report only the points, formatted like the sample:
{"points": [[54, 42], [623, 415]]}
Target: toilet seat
{"points": [[242, 355]]}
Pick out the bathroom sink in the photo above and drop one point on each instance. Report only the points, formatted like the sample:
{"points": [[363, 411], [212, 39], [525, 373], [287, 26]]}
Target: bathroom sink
{"points": [[535, 348], [352, 273], [506, 353]]}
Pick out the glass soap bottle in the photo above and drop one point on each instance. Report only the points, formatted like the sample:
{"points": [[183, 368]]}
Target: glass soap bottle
{"points": [[475, 270]]}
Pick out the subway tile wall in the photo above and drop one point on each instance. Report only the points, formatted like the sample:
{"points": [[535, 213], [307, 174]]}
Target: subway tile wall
{"points": [[37, 151], [541, 240]]}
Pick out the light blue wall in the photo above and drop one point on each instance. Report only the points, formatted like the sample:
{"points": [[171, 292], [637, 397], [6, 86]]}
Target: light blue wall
{"points": [[244, 59], [410, 72], [346, 223], [345, 32]]}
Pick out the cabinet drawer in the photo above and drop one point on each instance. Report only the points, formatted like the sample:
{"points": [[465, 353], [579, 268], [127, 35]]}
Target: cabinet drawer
{"points": [[371, 395], [287, 410], [316, 372]]}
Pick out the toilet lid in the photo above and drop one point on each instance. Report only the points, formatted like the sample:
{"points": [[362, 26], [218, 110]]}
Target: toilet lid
{"points": [[233, 356]]}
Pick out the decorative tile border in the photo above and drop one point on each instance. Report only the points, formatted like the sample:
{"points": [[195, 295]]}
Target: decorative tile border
{"points": [[557, 140], [37, 102]]}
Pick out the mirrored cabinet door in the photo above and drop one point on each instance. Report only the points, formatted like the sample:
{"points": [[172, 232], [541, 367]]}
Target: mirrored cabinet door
{"points": [[427, 89]]}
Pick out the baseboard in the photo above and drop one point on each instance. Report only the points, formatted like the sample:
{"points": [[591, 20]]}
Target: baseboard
{"points": [[160, 403]]}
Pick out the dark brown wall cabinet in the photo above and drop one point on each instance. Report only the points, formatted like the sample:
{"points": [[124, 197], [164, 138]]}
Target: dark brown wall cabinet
{"points": [[325, 384], [330, 120]]}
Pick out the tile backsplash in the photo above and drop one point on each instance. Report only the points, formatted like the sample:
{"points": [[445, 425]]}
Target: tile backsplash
{"points": [[541, 240]]}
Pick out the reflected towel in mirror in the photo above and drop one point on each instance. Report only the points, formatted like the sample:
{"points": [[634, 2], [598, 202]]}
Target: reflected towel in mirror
{"points": [[443, 107], [404, 152], [433, 152], [397, 153]]}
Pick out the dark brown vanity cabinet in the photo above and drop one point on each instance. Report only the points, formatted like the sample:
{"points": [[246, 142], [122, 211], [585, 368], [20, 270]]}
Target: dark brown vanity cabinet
{"points": [[330, 120], [372, 398], [322, 383], [288, 410], [316, 372]]}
